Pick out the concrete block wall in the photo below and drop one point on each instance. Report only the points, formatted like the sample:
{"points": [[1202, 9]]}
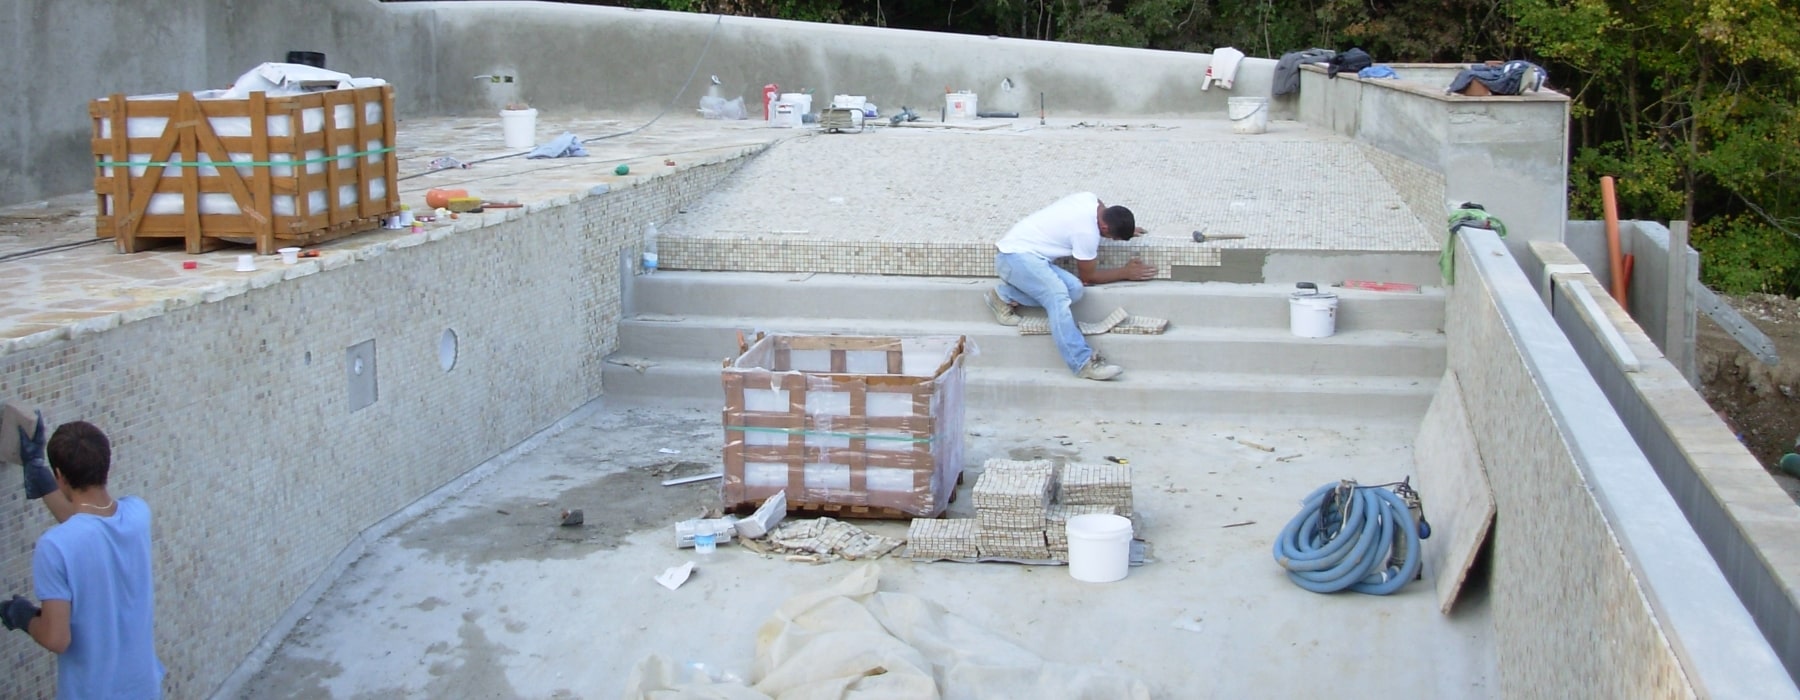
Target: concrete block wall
{"points": [[1509, 154], [1600, 587], [79, 52], [614, 59], [231, 416], [1724, 491], [563, 58], [1669, 319]]}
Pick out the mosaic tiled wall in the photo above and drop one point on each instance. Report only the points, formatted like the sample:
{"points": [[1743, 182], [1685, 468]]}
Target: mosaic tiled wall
{"points": [[1420, 187], [232, 418], [1570, 617], [959, 259]]}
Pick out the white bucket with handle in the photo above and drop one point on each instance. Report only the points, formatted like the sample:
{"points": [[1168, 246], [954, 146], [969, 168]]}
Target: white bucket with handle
{"points": [[1249, 115], [1312, 313]]}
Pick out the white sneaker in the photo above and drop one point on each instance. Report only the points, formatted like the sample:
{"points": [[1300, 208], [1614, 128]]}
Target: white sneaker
{"points": [[1097, 369], [1003, 312]]}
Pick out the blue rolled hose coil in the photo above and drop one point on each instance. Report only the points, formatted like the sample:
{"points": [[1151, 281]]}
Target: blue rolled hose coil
{"points": [[1332, 545]]}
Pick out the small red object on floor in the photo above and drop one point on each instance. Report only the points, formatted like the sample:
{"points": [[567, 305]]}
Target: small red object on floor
{"points": [[190, 265], [1381, 286]]}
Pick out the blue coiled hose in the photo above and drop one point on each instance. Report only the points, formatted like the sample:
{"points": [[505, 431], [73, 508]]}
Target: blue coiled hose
{"points": [[1344, 538]]}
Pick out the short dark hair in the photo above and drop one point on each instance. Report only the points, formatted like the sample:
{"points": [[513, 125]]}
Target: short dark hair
{"points": [[1120, 223], [81, 453]]}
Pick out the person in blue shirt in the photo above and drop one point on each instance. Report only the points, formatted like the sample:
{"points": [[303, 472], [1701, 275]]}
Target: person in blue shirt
{"points": [[91, 570]]}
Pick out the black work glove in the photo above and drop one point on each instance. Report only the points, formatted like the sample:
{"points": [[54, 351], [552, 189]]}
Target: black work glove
{"points": [[38, 479], [17, 613]]}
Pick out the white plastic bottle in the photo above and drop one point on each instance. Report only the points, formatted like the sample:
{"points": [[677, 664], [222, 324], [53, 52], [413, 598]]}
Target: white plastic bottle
{"points": [[650, 248]]}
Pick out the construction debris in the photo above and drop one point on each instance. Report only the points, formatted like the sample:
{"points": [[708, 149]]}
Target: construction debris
{"points": [[829, 539]]}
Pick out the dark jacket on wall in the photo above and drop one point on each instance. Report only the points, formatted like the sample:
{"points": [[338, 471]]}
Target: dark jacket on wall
{"points": [[1287, 70]]}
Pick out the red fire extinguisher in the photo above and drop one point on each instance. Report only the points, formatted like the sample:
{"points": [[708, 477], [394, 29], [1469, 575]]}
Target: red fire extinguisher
{"points": [[770, 93]]}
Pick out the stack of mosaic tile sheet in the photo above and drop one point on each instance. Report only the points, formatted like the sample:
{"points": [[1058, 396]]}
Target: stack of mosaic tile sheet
{"points": [[1096, 485], [932, 538], [1056, 525], [1011, 498], [1119, 321]]}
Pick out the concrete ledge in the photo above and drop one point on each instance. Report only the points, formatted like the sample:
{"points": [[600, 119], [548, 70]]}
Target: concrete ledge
{"points": [[1582, 513]]}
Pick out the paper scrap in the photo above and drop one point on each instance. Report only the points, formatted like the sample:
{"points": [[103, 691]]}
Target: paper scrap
{"points": [[672, 577]]}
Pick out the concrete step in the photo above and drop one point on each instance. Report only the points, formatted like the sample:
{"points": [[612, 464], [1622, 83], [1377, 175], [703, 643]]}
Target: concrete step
{"points": [[959, 300], [693, 383], [1261, 351]]}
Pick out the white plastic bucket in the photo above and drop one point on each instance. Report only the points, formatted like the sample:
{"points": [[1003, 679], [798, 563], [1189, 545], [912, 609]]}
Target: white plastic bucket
{"points": [[801, 101], [519, 126], [786, 115], [1099, 547], [1249, 115], [1312, 314], [959, 105]]}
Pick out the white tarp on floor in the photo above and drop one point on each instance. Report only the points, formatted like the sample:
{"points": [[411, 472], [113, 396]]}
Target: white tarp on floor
{"points": [[853, 642]]}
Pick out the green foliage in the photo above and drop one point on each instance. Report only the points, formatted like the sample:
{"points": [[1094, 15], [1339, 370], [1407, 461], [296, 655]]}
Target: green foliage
{"points": [[1740, 256], [1692, 106]]}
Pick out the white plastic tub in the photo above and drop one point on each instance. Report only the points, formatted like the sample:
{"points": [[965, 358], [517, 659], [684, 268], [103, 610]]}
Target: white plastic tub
{"points": [[959, 105], [519, 126], [1099, 547]]}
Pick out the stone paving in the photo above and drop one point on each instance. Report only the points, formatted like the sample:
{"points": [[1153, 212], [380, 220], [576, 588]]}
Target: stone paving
{"points": [[935, 193]]}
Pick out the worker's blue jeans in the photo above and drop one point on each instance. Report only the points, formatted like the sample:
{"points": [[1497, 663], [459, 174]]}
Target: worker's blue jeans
{"points": [[1028, 279]]}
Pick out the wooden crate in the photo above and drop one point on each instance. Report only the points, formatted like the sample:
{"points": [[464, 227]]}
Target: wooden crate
{"points": [[854, 426], [310, 168]]}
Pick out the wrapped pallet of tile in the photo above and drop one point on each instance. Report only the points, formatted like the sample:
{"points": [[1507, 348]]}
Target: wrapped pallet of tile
{"points": [[1011, 498], [852, 426], [300, 168]]}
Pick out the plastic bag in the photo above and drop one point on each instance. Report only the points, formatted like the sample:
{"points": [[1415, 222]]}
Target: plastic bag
{"points": [[721, 108]]}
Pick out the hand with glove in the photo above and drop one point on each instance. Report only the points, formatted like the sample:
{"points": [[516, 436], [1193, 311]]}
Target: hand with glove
{"points": [[38, 479], [16, 614]]}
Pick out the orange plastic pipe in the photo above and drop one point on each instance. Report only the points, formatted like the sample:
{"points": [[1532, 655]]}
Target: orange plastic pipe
{"points": [[1625, 273], [1609, 205]]}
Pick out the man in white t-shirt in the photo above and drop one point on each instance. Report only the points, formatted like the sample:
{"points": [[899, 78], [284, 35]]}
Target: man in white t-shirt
{"points": [[1069, 228]]}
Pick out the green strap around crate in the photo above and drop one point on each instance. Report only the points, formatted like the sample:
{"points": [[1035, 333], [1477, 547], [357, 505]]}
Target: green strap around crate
{"points": [[828, 433], [239, 163]]}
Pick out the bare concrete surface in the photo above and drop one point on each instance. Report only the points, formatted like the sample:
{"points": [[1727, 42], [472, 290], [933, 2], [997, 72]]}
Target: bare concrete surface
{"points": [[486, 597]]}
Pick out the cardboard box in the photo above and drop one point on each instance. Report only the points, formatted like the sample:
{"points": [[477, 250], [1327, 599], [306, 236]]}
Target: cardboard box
{"points": [[854, 426], [308, 168]]}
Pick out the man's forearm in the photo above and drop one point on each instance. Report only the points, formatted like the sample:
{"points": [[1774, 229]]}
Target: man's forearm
{"points": [[1107, 275]]}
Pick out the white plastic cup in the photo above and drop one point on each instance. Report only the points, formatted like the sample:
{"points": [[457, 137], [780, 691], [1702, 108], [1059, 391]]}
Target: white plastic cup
{"points": [[519, 127], [289, 256], [246, 263], [1099, 547]]}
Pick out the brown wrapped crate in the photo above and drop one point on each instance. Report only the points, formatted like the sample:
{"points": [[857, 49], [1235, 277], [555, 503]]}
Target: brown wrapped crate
{"points": [[857, 426], [305, 168]]}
